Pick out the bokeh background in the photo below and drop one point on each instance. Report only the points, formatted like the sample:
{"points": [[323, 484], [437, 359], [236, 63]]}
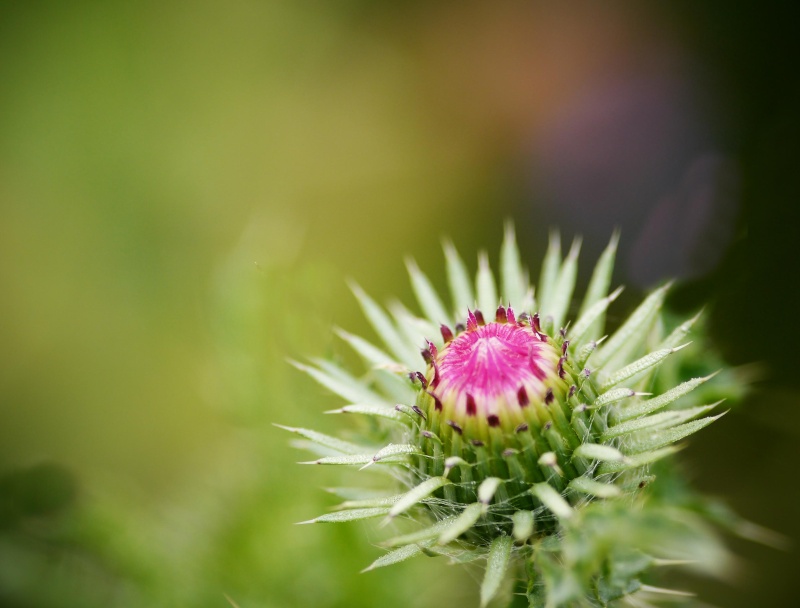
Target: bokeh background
{"points": [[185, 188]]}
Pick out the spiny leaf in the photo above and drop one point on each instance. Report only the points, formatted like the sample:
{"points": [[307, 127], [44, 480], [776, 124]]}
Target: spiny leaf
{"points": [[549, 274], [426, 295], [415, 329], [633, 330], [368, 503], [395, 449], [584, 353], [565, 284], [523, 525], [334, 443], [422, 535], [598, 286], [656, 421], [394, 382], [595, 451], [370, 353], [651, 440], [352, 459], [384, 327], [416, 494], [615, 394], [515, 283], [656, 403], [381, 411], [487, 290], [553, 501], [487, 489], [455, 554], [351, 515], [587, 319], [471, 514], [638, 366], [340, 383], [460, 284], [679, 333], [496, 565], [635, 461], [395, 557], [585, 485]]}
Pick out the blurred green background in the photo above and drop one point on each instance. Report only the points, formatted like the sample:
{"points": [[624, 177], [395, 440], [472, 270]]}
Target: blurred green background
{"points": [[185, 188]]}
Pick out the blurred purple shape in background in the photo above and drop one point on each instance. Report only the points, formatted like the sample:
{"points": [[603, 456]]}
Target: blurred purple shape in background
{"points": [[638, 153]]}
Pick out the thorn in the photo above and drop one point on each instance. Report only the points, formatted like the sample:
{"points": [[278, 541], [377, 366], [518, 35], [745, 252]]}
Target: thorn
{"points": [[509, 452], [575, 249], [472, 322], [437, 404], [477, 443], [435, 381], [537, 326], [615, 294], [447, 334], [479, 318], [493, 420], [586, 372], [455, 427], [524, 317], [472, 408], [426, 355], [522, 397], [681, 347], [419, 412], [563, 332], [432, 348], [548, 425], [460, 328], [521, 428], [572, 390], [548, 396], [510, 314], [422, 380], [501, 316], [661, 590], [673, 562], [564, 348], [561, 372]]}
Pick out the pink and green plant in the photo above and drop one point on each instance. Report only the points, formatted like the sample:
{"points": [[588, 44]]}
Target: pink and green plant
{"points": [[527, 441]]}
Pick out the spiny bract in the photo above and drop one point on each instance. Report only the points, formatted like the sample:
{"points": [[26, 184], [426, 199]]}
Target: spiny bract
{"points": [[522, 438]]}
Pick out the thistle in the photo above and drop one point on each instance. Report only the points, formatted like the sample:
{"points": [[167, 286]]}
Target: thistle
{"points": [[525, 439]]}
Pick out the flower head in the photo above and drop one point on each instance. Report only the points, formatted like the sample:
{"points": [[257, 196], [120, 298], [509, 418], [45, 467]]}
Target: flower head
{"points": [[519, 436]]}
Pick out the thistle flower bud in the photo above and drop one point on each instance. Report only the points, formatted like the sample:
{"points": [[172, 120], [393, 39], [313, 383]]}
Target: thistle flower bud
{"points": [[527, 440]]}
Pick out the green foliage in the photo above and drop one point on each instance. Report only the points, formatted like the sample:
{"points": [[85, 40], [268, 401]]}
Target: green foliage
{"points": [[562, 504]]}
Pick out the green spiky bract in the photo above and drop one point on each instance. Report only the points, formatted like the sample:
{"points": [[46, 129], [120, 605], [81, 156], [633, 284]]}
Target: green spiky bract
{"points": [[554, 494]]}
